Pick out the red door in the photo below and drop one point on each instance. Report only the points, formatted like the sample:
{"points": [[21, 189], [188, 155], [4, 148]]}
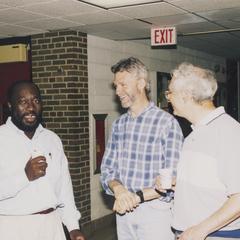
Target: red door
{"points": [[10, 73]]}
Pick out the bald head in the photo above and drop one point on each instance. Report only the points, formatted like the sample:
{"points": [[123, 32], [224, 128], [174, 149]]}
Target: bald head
{"points": [[17, 86], [24, 101]]}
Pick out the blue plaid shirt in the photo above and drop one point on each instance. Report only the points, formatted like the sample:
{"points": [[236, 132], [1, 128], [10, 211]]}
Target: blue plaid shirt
{"points": [[139, 147]]}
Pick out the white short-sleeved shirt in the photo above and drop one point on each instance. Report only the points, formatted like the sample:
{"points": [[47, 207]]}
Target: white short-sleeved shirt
{"points": [[208, 170], [18, 195]]}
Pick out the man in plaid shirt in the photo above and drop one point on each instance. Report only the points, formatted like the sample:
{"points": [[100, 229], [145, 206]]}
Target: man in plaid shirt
{"points": [[143, 141]]}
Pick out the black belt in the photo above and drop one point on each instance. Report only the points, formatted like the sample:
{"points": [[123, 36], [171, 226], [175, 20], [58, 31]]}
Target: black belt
{"points": [[49, 210]]}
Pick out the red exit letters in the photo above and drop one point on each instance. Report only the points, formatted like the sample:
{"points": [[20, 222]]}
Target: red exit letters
{"points": [[163, 36]]}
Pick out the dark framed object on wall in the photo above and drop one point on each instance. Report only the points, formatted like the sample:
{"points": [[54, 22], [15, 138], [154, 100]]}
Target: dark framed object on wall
{"points": [[99, 140]]}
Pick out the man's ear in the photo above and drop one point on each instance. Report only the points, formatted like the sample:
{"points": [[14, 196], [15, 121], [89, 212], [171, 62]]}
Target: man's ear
{"points": [[141, 84]]}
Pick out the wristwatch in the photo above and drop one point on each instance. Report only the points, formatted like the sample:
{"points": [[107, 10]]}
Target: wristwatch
{"points": [[140, 194]]}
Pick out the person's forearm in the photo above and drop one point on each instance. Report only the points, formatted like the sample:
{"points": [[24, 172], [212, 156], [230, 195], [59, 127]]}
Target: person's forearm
{"points": [[226, 214]]}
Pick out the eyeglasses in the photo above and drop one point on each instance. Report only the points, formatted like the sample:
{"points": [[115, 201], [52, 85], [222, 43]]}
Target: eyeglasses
{"points": [[167, 95]]}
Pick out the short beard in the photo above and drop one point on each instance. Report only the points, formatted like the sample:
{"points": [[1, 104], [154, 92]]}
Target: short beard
{"points": [[24, 127]]}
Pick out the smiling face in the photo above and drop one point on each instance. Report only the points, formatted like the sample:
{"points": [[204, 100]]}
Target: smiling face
{"points": [[128, 88], [26, 108]]}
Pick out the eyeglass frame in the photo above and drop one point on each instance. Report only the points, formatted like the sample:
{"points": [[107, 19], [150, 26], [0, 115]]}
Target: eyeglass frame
{"points": [[167, 93]]}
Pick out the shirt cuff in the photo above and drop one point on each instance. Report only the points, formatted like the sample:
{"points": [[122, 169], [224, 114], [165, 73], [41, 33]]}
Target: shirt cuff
{"points": [[72, 221], [72, 226]]}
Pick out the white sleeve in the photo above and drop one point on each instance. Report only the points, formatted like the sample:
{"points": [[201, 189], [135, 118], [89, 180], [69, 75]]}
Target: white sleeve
{"points": [[69, 213]]}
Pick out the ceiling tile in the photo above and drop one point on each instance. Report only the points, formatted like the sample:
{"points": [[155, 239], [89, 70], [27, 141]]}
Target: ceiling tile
{"points": [[230, 23], [114, 3], [224, 40], [205, 5], [102, 16], [26, 17], [150, 10], [128, 29], [198, 27], [130, 25], [15, 3], [223, 14], [216, 44], [61, 8], [111, 35], [49, 24], [16, 30], [2, 6], [15, 15], [237, 34], [175, 20]]}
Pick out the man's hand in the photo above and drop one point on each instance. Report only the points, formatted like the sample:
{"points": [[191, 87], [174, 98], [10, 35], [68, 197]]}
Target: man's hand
{"points": [[76, 235], [117, 207], [125, 201], [36, 168], [193, 233]]}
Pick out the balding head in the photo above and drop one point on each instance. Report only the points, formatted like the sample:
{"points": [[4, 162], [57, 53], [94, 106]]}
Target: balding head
{"points": [[24, 101]]}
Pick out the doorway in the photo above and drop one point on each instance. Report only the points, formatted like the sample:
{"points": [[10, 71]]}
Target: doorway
{"points": [[11, 72]]}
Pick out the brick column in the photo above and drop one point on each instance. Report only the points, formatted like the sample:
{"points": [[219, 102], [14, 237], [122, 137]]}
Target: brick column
{"points": [[59, 68]]}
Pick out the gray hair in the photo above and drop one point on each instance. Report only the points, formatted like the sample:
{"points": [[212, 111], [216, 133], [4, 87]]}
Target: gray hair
{"points": [[133, 65], [200, 82]]}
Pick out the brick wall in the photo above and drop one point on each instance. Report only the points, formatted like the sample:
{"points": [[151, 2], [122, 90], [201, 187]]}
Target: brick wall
{"points": [[59, 68]]}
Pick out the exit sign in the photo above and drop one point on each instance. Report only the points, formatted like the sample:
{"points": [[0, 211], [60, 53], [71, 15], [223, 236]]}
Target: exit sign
{"points": [[164, 37]]}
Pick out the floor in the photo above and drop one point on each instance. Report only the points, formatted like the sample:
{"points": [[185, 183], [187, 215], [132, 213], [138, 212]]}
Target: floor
{"points": [[106, 233], [101, 229]]}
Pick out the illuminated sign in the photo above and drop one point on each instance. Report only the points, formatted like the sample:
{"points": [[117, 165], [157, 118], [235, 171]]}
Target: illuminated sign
{"points": [[163, 37]]}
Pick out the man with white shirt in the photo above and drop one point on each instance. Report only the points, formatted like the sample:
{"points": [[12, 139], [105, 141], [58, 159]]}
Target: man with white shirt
{"points": [[207, 196], [36, 194]]}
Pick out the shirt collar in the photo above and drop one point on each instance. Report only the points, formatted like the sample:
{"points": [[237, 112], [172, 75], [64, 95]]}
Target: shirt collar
{"points": [[210, 117], [150, 105], [11, 125]]}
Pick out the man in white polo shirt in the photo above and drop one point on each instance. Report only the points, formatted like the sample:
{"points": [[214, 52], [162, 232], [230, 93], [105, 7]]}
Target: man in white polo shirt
{"points": [[207, 197]]}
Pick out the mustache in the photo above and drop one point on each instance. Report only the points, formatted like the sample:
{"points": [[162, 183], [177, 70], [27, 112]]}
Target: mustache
{"points": [[30, 113]]}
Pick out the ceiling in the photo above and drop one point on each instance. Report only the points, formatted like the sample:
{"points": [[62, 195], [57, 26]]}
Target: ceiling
{"points": [[212, 26]]}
